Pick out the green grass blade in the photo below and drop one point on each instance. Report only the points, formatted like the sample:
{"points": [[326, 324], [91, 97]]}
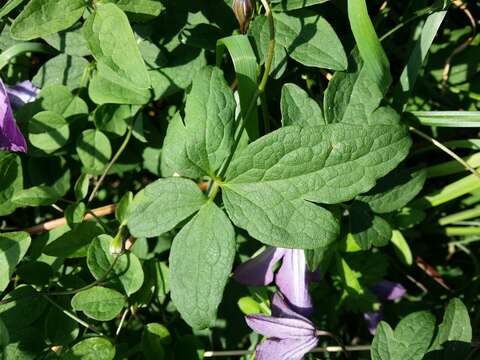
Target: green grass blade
{"points": [[456, 119]]}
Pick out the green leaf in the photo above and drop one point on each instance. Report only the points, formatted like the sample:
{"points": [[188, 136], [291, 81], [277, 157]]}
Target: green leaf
{"points": [[154, 337], [307, 38], [185, 63], [94, 150], [162, 287], [9, 6], [201, 260], [81, 187], [245, 64], [162, 205], [48, 131], [367, 228], [94, 348], [272, 183], [298, 108], [26, 307], [455, 332], [353, 96], [70, 41], [417, 58], [121, 211], [410, 340], [121, 76], [59, 99], [401, 247], [112, 118], [126, 274], [36, 196], [454, 119], [62, 70], [209, 126], [394, 190], [13, 247], [25, 344], [12, 181], [74, 213], [60, 329], [35, 273], [374, 58], [45, 17], [99, 303], [74, 243]]}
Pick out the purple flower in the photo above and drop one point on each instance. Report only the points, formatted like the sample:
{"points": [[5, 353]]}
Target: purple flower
{"points": [[22, 93], [292, 278], [290, 335], [11, 139], [385, 290]]}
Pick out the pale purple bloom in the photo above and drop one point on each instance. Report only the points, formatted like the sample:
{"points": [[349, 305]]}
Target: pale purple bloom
{"points": [[11, 139], [292, 279], [290, 335], [22, 93], [385, 290]]}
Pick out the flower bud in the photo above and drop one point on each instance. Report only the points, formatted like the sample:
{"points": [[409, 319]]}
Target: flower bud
{"points": [[243, 10]]}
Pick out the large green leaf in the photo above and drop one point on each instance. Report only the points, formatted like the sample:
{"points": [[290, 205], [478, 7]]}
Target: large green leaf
{"points": [[209, 125], [127, 272], [45, 17], [305, 36], [99, 303], [409, 341], [48, 131], [201, 260], [162, 205], [121, 75], [271, 184], [62, 70], [454, 333], [298, 108], [13, 247]]}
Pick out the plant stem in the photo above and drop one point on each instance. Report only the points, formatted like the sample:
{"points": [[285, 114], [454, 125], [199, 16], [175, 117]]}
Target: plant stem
{"points": [[21, 48], [111, 163]]}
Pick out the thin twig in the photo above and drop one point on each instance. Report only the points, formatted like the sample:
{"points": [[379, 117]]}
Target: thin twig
{"points": [[327, 349], [445, 149], [111, 163], [53, 224], [446, 69], [122, 320]]}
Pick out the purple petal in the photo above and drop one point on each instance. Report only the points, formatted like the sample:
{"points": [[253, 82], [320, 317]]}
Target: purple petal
{"points": [[389, 290], [259, 270], [22, 93], [281, 308], [293, 279], [281, 328], [11, 139], [285, 349], [373, 318]]}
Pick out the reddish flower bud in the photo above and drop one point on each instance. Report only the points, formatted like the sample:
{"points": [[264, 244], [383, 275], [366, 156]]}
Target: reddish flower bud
{"points": [[243, 10]]}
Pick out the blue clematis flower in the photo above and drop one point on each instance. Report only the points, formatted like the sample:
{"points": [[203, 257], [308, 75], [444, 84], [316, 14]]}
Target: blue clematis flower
{"points": [[11, 139], [290, 335], [292, 279], [385, 290]]}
